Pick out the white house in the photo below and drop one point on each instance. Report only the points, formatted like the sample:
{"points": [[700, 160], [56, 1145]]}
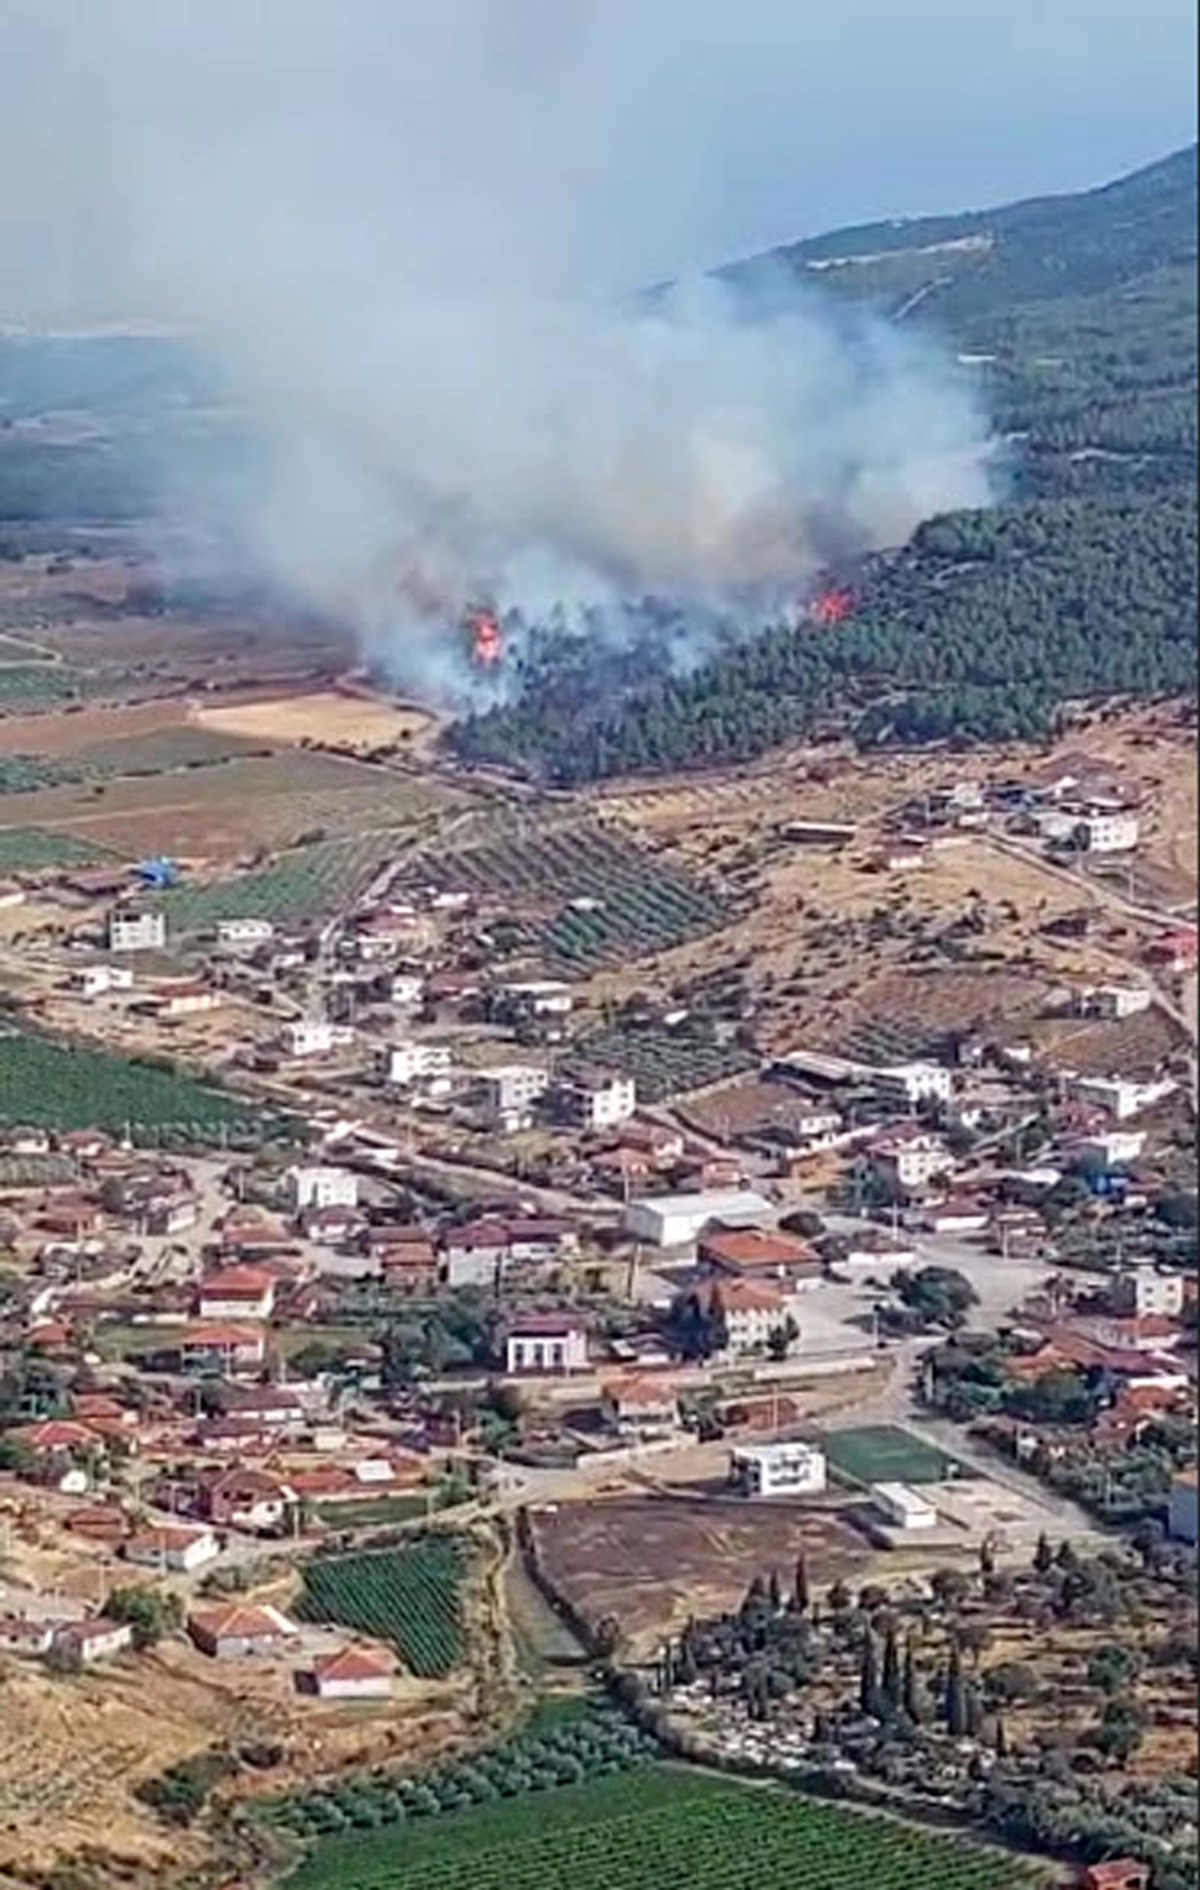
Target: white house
{"points": [[406, 988], [752, 1311], [413, 1062], [353, 1673], [902, 1506], [537, 997], [778, 1469], [641, 1407], [509, 1091], [674, 1220], [475, 1254], [1119, 1096], [94, 981], [910, 1158], [1112, 1146], [1111, 1000], [80, 1643], [236, 1293], [1108, 832], [131, 929], [243, 935], [550, 1343], [1181, 1514], [596, 1099], [321, 1187], [172, 1547], [308, 1037], [917, 1082], [1142, 1289]]}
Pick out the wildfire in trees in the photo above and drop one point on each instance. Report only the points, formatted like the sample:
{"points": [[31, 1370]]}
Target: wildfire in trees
{"points": [[831, 607], [487, 642]]}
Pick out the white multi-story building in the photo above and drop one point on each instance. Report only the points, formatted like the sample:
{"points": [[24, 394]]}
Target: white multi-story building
{"points": [[1114, 832], [510, 1090], [596, 1099], [550, 1343], [914, 1083], [134, 930], [95, 981], [903, 1507], [308, 1037], [321, 1187], [910, 1158], [413, 1062], [1145, 1290], [243, 935], [778, 1469]]}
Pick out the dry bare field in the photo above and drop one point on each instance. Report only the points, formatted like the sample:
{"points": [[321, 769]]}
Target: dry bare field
{"points": [[651, 1561], [322, 716]]}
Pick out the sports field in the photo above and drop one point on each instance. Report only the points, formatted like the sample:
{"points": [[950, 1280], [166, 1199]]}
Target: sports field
{"points": [[884, 1453], [658, 1828]]}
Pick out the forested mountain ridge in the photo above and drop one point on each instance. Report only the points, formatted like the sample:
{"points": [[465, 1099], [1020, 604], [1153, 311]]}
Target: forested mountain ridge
{"points": [[1079, 315]]}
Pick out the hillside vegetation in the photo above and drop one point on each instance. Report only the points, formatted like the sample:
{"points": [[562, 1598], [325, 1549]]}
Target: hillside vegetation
{"points": [[1078, 315]]}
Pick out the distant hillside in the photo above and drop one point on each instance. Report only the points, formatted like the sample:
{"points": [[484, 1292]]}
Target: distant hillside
{"points": [[1078, 313]]}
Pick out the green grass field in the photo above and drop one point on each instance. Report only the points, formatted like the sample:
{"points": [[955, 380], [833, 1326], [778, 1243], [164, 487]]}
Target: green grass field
{"points": [[659, 1828], [883, 1453], [32, 849]]}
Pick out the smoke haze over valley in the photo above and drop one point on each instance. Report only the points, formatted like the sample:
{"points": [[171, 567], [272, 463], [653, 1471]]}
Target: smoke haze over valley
{"points": [[410, 249]]}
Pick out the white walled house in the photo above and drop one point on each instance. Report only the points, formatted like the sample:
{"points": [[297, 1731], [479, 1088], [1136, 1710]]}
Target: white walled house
{"points": [[910, 1158], [916, 1082], [1119, 1096], [95, 981], [131, 930], [413, 1062], [1111, 1000], [553, 1344], [510, 1090], [236, 1293], [475, 1254], [778, 1469], [353, 1673], [172, 1547], [321, 1187], [243, 935], [308, 1037], [596, 1099], [1144, 1290], [1112, 832]]}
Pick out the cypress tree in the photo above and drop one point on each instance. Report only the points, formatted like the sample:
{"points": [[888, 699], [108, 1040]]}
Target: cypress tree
{"points": [[800, 1584], [956, 1701], [911, 1688], [891, 1677], [868, 1676], [1043, 1555], [1001, 1741], [774, 1591]]}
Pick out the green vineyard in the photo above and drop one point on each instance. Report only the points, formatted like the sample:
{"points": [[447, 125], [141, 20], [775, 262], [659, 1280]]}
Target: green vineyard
{"points": [[303, 884], [598, 897], [409, 1596], [64, 1086], [657, 1828]]}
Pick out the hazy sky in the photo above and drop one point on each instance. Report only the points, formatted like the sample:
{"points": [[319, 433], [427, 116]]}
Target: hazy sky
{"points": [[652, 135]]}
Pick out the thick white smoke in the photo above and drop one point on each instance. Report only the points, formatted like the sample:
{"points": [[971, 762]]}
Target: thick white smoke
{"points": [[409, 238]]}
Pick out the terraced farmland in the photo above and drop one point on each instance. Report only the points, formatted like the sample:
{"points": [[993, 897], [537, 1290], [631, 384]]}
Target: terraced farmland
{"points": [[64, 1086], [304, 884], [666, 1063], [658, 1828], [409, 1596], [598, 897]]}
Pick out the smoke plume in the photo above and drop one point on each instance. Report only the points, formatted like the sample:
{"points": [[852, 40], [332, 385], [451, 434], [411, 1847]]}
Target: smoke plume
{"points": [[411, 240]]}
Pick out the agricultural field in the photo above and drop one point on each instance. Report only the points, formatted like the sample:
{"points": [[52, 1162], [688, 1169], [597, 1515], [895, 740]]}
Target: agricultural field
{"points": [[651, 1561], [666, 1063], [883, 1453], [662, 1828], [322, 716], [26, 685], [37, 849], [64, 1086], [410, 1597], [304, 884], [596, 896]]}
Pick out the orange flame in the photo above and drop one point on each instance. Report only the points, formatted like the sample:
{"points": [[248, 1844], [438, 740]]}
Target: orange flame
{"points": [[487, 642]]}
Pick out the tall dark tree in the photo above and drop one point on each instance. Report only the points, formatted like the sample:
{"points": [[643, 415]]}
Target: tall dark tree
{"points": [[774, 1591], [956, 1697], [868, 1676], [912, 1692], [800, 1592], [1001, 1738], [1043, 1555], [891, 1677]]}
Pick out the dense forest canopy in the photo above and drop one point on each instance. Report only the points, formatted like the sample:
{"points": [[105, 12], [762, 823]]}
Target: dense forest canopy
{"points": [[1079, 315]]}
